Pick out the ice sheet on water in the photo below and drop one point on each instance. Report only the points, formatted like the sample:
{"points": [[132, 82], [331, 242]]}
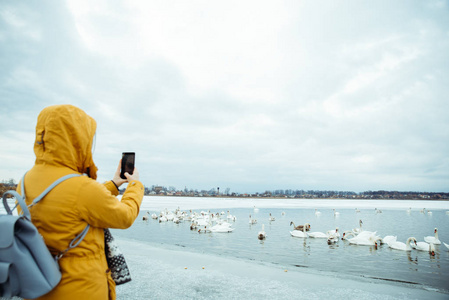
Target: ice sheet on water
{"points": [[157, 203]]}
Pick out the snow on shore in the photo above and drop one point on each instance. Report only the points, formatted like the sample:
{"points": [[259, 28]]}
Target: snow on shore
{"points": [[158, 203], [162, 273]]}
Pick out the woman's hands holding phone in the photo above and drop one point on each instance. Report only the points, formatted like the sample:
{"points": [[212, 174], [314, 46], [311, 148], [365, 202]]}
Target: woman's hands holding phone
{"points": [[119, 181]]}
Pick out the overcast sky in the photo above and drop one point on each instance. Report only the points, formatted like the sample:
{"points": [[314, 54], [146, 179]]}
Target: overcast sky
{"points": [[246, 95]]}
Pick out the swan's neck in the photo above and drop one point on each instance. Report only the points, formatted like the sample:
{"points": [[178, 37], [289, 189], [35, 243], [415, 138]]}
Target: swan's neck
{"points": [[409, 240]]}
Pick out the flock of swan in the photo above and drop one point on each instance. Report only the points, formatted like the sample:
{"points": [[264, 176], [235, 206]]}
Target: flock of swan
{"points": [[358, 236], [221, 222]]}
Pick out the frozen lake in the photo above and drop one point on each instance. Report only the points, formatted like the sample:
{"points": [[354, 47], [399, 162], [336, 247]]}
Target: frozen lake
{"points": [[415, 268]]}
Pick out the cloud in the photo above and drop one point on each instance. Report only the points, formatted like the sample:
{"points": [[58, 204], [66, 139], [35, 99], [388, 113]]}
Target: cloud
{"points": [[251, 96]]}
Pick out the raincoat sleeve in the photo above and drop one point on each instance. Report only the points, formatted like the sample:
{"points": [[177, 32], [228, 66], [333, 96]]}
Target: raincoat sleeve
{"points": [[111, 187], [99, 207]]}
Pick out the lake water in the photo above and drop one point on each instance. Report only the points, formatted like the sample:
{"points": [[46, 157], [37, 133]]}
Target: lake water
{"points": [[281, 249]]}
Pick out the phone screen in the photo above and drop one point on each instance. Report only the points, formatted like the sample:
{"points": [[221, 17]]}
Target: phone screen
{"points": [[128, 159]]}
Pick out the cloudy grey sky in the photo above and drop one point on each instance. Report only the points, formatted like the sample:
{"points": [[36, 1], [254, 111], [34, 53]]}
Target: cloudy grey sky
{"points": [[250, 95]]}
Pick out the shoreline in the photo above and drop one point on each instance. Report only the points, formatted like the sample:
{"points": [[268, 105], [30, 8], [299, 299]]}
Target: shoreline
{"points": [[157, 203], [300, 198], [164, 272]]}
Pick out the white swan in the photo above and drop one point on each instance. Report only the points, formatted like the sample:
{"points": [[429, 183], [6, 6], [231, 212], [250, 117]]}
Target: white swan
{"points": [[401, 246], [145, 217], [300, 234], [389, 239], [409, 210], [336, 213], [358, 230], [318, 235], [262, 234], [433, 239], [154, 216], [271, 218], [317, 213], [224, 227], [366, 240], [346, 234], [357, 210], [423, 246], [332, 239], [202, 222], [252, 221], [333, 232], [170, 216]]}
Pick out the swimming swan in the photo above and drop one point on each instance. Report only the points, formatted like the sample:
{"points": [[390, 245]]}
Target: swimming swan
{"points": [[423, 246], [401, 246], [433, 239], [318, 235], [222, 227], [332, 239], [366, 240], [252, 221], [346, 234], [389, 239], [300, 234], [358, 230], [299, 227], [333, 232]]}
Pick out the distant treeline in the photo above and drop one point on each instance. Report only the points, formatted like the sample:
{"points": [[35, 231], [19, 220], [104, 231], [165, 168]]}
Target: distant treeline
{"points": [[310, 194]]}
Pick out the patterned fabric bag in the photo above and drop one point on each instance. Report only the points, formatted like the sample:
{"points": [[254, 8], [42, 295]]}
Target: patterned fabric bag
{"points": [[116, 261]]}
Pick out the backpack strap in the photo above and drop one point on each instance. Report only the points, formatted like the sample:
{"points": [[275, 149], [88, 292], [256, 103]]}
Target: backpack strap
{"points": [[47, 190], [74, 243], [77, 240], [20, 201]]}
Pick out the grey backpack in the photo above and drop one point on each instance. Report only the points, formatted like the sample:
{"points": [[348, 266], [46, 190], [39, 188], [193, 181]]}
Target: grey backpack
{"points": [[27, 268]]}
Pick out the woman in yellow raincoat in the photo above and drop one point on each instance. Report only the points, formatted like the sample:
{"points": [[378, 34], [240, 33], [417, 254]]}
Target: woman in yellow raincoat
{"points": [[63, 145]]}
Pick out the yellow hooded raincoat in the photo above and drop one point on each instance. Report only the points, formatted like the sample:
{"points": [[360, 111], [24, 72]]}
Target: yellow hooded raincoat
{"points": [[64, 137]]}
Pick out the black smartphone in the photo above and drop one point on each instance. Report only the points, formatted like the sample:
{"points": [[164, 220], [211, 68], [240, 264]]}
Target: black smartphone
{"points": [[128, 159]]}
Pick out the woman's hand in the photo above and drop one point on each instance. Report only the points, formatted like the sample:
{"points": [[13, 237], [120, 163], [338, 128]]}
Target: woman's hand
{"points": [[134, 176], [119, 181]]}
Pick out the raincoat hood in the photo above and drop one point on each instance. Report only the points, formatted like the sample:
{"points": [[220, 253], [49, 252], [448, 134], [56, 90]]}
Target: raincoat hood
{"points": [[64, 137]]}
